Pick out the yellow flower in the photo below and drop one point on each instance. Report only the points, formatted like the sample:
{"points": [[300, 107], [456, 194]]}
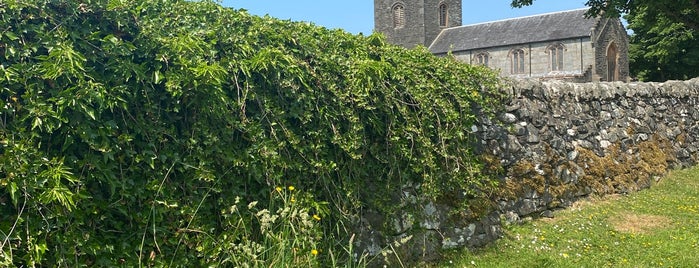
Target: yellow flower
{"points": [[316, 217], [291, 188], [293, 199], [314, 252], [279, 189]]}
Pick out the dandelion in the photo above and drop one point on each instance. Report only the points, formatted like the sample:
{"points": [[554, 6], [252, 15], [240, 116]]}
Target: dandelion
{"points": [[291, 188], [314, 252], [316, 217], [293, 200], [279, 189]]}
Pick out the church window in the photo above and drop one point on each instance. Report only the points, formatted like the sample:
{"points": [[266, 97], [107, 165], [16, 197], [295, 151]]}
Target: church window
{"points": [[398, 16], [482, 59], [517, 61], [556, 57], [443, 15]]}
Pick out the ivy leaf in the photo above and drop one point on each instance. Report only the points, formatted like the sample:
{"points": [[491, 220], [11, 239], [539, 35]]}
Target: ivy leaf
{"points": [[157, 77], [88, 110], [11, 36], [13, 192], [62, 59], [36, 123], [60, 194]]}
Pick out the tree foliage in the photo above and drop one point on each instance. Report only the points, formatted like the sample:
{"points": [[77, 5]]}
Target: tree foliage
{"points": [[661, 49], [682, 11], [129, 130]]}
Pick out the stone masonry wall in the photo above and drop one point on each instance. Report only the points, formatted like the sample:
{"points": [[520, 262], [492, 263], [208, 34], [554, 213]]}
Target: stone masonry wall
{"points": [[578, 59], [557, 142], [421, 20]]}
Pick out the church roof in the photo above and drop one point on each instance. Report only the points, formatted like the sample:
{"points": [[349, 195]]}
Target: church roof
{"points": [[538, 28]]}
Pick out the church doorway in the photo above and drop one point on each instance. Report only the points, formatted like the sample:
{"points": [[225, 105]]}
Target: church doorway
{"points": [[612, 63]]}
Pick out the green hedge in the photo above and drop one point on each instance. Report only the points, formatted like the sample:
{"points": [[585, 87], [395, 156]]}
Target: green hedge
{"points": [[129, 128]]}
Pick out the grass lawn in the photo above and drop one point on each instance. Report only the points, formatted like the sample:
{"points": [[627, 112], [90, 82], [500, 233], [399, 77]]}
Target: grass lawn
{"points": [[658, 227]]}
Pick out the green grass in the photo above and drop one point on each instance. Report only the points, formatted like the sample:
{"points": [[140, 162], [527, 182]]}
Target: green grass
{"points": [[658, 227]]}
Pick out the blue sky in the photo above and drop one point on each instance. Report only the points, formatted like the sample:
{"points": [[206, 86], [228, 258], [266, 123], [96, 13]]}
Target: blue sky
{"points": [[357, 16]]}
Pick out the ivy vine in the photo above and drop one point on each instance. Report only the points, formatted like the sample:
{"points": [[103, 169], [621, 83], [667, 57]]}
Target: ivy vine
{"points": [[123, 123]]}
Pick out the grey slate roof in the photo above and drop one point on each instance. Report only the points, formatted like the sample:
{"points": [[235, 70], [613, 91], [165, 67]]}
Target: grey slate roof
{"points": [[546, 27]]}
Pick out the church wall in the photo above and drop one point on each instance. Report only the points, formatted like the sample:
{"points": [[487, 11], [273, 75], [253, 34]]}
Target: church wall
{"points": [[608, 31], [500, 60], [578, 59], [589, 58]]}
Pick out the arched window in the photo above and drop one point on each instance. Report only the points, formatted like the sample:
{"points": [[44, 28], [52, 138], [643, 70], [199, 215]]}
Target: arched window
{"points": [[612, 63], [556, 57], [482, 59], [443, 15], [398, 16], [517, 61]]}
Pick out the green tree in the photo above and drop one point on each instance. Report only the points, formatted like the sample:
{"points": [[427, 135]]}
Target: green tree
{"points": [[679, 11], [661, 48]]}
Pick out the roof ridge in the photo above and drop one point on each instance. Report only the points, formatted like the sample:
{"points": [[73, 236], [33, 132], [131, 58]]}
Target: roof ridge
{"points": [[516, 18], [536, 28]]}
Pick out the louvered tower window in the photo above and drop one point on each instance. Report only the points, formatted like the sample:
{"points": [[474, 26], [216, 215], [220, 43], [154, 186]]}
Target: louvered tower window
{"points": [[443, 15], [398, 16]]}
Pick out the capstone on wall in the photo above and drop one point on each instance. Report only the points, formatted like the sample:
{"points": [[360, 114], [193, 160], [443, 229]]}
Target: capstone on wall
{"points": [[556, 142]]}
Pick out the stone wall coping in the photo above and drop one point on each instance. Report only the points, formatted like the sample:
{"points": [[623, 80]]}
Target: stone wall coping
{"points": [[556, 90]]}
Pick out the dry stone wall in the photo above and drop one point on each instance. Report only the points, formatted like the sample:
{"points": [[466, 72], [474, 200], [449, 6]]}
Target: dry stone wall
{"points": [[557, 142], [561, 141]]}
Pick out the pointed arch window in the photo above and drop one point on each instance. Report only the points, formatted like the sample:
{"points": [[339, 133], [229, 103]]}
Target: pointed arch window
{"points": [[556, 57], [482, 59], [517, 60], [398, 16], [443, 15]]}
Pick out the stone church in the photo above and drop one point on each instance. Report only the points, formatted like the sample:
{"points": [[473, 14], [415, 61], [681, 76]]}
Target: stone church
{"points": [[562, 45]]}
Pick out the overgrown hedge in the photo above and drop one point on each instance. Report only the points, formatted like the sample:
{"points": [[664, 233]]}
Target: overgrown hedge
{"points": [[130, 130]]}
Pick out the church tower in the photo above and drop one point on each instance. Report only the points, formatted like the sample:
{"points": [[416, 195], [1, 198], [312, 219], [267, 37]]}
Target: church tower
{"points": [[415, 22]]}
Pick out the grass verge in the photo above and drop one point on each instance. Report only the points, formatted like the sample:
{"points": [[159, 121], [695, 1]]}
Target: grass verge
{"points": [[657, 227]]}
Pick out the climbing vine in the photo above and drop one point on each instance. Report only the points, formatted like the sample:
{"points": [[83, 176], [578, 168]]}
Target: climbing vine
{"points": [[129, 129]]}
